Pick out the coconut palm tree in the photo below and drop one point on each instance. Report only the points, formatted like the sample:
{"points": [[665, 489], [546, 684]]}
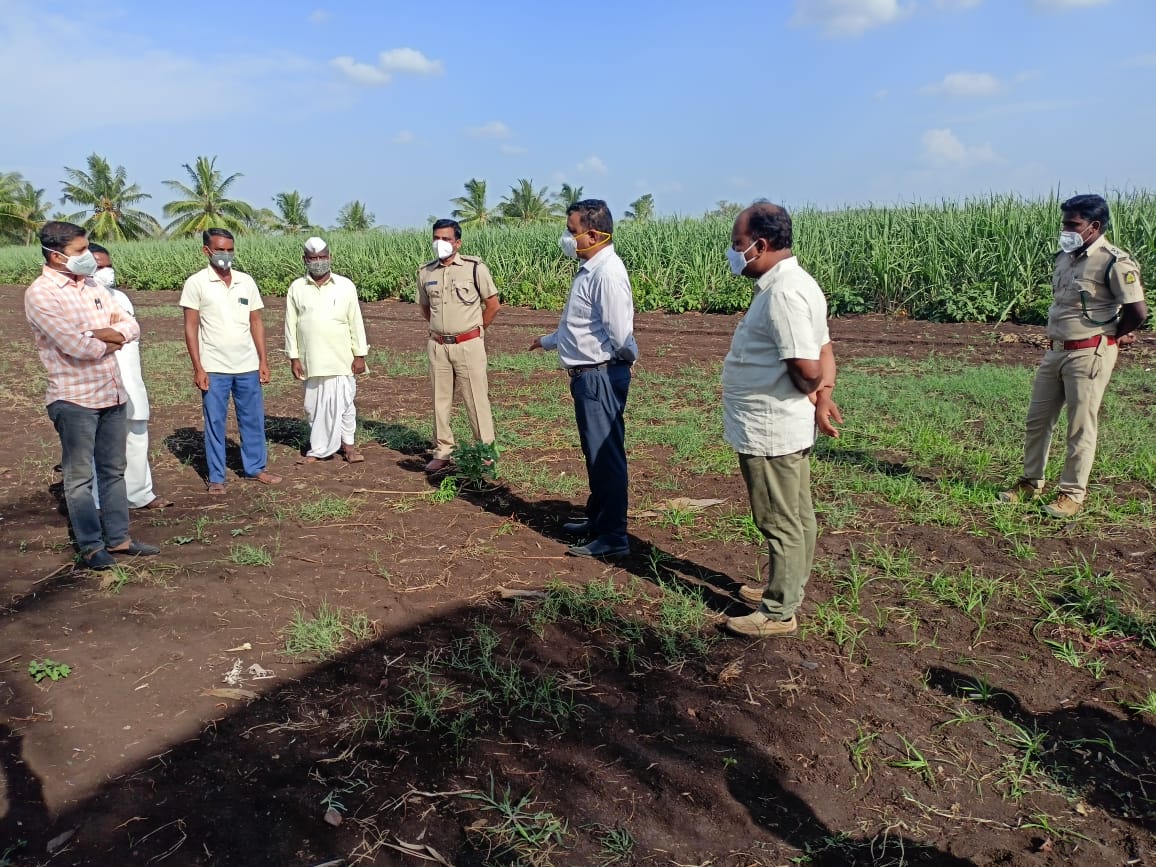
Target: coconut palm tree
{"points": [[642, 208], [471, 208], [22, 213], [567, 196], [107, 199], [354, 217], [292, 212], [527, 205], [205, 204]]}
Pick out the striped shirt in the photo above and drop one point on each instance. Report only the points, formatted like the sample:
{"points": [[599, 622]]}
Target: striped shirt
{"points": [[81, 370]]}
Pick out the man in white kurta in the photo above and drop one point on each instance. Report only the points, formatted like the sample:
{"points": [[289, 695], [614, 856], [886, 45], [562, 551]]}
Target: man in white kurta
{"points": [[138, 477], [325, 342]]}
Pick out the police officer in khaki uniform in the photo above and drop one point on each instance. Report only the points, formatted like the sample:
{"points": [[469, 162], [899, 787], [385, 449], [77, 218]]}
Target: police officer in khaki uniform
{"points": [[1097, 305], [459, 300]]}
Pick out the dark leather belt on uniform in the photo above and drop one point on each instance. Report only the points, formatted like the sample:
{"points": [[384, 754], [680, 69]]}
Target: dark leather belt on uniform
{"points": [[580, 369], [1087, 342], [451, 339]]}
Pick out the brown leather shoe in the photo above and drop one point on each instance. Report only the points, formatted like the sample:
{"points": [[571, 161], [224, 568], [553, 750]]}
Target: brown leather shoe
{"points": [[351, 454], [436, 465], [1063, 506], [753, 595], [1023, 491], [758, 625]]}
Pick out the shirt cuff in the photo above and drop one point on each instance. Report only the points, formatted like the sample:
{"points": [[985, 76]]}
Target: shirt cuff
{"points": [[549, 341]]}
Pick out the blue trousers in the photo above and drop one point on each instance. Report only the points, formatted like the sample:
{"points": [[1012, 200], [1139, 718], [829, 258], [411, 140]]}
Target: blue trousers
{"points": [[599, 402], [249, 402], [88, 437]]}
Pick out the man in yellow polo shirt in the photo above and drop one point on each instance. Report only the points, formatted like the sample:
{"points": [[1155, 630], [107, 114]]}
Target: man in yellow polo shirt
{"points": [[459, 300], [325, 342], [225, 338]]}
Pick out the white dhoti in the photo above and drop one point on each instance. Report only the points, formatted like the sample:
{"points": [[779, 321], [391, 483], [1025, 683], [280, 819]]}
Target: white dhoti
{"points": [[332, 415]]}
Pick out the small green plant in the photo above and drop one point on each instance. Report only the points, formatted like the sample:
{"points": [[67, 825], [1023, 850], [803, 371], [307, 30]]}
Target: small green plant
{"points": [[447, 490], [182, 540], [914, 761], [39, 669], [474, 464], [320, 635], [250, 555], [115, 579], [520, 833], [1146, 705], [858, 750], [617, 844]]}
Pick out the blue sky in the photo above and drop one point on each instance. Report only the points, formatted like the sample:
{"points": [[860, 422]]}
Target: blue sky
{"points": [[824, 102]]}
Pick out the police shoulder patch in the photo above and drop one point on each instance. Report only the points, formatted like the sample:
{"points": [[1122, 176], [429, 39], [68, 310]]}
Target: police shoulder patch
{"points": [[1130, 277]]}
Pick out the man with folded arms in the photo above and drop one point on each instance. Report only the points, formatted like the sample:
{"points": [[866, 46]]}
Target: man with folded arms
{"points": [[78, 328]]}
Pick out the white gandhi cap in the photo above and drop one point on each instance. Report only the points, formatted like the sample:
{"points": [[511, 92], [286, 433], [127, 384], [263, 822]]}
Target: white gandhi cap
{"points": [[315, 246]]}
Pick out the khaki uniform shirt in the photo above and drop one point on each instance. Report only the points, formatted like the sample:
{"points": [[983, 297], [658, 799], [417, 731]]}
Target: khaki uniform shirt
{"points": [[763, 412], [455, 302], [1106, 276], [323, 325], [224, 336]]}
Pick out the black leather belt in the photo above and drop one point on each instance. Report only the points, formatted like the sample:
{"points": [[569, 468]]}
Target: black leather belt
{"points": [[580, 369]]}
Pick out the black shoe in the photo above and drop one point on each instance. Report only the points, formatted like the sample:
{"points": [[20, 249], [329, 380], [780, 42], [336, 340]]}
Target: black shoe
{"points": [[600, 549], [576, 528], [138, 549], [98, 561]]}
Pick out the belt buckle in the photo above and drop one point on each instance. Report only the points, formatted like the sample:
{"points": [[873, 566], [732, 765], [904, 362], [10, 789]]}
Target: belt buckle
{"points": [[449, 339]]}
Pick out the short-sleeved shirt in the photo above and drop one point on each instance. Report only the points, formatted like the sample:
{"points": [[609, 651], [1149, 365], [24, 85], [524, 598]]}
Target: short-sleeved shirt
{"points": [[323, 325], [1106, 276], [224, 337], [763, 412], [455, 293]]}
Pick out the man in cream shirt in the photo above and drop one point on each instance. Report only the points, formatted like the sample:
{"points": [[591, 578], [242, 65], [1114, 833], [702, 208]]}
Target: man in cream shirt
{"points": [[325, 342], [776, 386]]}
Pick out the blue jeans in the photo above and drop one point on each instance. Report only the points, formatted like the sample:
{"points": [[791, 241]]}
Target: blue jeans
{"points": [[88, 437], [249, 402], [599, 402]]}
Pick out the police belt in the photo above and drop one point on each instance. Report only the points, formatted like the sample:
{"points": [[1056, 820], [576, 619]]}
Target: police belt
{"points": [[456, 338], [579, 369], [1086, 343]]}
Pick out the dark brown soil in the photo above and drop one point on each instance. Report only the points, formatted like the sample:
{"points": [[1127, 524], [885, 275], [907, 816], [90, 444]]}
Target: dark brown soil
{"points": [[740, 757]]}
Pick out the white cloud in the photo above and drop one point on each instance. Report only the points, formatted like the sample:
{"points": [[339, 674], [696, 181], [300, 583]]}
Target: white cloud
{"points": [[1061, 5], [848, 17], [510, 149], [360, 73], [493, 129], [943, 147], [405, 136], [409, 60], [592, 165], [319, 16], [965, 84], [403, 60]]}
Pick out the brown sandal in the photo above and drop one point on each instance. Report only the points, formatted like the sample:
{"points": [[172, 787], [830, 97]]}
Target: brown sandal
{"points": [[216, 489]]}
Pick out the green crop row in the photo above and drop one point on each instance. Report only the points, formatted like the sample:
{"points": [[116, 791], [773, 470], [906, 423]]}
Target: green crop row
{"points": [[977, 260]]}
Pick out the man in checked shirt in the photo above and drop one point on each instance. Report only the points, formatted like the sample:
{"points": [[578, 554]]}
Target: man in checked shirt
{"points": [[77, 328]]}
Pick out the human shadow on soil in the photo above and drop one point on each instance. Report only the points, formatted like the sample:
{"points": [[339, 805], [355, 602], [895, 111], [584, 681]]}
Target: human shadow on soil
{"points": [[646, 561], [1107, 759], [27, 813], [391, 435], [252, 787]]}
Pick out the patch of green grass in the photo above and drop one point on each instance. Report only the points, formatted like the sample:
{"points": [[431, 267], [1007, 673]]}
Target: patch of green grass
{"points": [[616, 844], [515, 831], [250, 555], [48, 669], [326, 508], [320, 635]]}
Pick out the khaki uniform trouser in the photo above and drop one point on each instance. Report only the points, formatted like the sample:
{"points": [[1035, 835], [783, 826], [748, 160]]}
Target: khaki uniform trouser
{"points": [[780, 493], [1078, 378], [461, 367]]}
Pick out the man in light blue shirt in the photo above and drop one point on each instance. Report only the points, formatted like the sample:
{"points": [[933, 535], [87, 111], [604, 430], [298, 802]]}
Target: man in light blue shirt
{"points": [[596, 346]]}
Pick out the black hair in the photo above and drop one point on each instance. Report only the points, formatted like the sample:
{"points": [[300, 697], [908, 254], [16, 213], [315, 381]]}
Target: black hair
{"points": [[594, 214], [98, 248], [1090, 207], [215, 233], [56, 235], [771, 223], [449, 224]]}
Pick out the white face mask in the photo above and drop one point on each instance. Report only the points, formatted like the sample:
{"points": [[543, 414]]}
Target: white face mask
{"points": [[738, 260], [106, 277], [1070, 242], [442, 249], [83, 265], [569, 245]]}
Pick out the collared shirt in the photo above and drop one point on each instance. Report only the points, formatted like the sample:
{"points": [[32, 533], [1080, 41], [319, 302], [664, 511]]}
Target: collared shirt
{"points": [[1107, 276], [224, 336], [81, 370], [455, 300], [323, 325], [598, 319], [128, 360], [763, 412]]}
